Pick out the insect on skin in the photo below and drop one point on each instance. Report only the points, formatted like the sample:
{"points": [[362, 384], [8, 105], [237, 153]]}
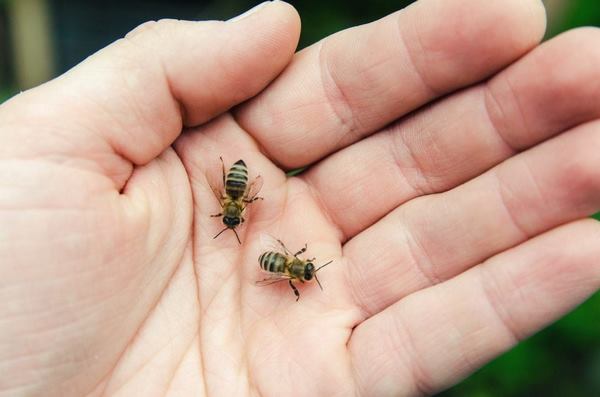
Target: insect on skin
{"points": [[235, 195], [282, 265]]}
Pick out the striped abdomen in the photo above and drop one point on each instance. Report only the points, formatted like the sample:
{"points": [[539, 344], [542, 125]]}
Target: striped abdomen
{"points": [[272, 262], [236, 180]]}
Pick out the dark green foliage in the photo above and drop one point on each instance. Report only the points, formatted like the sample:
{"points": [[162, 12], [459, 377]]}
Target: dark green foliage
{"points": [[296, 171], [577, 13], [5, 93], [322, 18]]}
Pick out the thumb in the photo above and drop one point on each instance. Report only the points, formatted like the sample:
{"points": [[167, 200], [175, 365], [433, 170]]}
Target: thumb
{"points": [[131, 99], [89, 275]]}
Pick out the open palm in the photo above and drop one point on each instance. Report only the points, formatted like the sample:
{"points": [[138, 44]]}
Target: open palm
{"points": [[454, 224]]}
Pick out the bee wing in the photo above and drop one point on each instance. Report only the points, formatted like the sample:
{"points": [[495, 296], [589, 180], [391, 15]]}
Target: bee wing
{"points": [[254, 187], [272, 279], [215, 178], [270, 243]]}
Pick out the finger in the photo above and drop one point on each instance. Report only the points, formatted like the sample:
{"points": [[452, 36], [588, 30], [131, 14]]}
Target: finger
{"points": [[128, 102], [359, 80], [436, 237], [548, 91], [437, 336]]}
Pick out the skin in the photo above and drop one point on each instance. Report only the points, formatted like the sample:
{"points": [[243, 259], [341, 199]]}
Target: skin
{"points": [[453, 159]]}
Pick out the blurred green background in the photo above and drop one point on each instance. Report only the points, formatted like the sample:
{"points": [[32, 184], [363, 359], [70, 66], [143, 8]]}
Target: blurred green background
{"points": [[40, 39]]}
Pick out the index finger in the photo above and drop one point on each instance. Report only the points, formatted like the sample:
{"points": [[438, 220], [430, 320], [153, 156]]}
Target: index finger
{"points": [[358, 80]]}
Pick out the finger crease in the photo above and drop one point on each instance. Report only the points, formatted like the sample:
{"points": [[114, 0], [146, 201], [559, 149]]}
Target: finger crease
{"points": [[409, 348], [489, 284], [420, 182], [336, 98], [507, 208], [419, 255], [316, 196], [431, 91], [494, 111], [354, 279]]}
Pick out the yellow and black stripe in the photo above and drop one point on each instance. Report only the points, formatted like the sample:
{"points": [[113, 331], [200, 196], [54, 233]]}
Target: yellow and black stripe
{"points": [[272, 262], [236, 180]]}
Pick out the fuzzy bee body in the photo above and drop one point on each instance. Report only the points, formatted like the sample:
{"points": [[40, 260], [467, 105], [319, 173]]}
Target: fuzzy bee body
{"points": [[274, 262], [237, 193], [282, 265], [236, 180]]}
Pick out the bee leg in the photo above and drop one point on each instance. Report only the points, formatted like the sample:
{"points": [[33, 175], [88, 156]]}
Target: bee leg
{"points": [[287, 251], [295, 290], [248, 201], [212, 216], [303, 250], [223, 167]]}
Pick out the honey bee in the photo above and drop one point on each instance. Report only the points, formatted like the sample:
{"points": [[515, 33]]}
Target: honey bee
{"points": [[282, 265], [235, 195]]}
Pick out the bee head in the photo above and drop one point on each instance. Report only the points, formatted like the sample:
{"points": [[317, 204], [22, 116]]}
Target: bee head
{"points": [[231, 221], [309, 271]]}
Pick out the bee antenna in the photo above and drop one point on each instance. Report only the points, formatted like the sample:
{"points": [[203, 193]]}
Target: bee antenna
{"points": [[316, 278], [218, 234], [318, 282], [236, 236], [321, 267]]}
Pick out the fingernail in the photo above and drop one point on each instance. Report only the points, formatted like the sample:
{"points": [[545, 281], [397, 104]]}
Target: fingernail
{"points": [[249, 12]]}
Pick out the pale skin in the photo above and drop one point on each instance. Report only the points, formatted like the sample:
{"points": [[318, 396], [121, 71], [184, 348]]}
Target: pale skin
{"points": [[456, 229]]}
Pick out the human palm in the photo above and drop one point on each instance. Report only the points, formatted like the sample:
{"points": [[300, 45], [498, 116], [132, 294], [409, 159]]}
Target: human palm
{"points": [[452, 223]]}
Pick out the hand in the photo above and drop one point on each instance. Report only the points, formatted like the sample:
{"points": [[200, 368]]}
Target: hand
{"points": [[452, 163]]}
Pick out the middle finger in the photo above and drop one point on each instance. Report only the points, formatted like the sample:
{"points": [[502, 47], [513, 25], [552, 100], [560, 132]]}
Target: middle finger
{"points": [[553, 88]]}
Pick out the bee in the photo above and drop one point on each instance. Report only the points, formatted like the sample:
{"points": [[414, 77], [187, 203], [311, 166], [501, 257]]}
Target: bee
{"points": [[235, 195], [282, 265]]}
